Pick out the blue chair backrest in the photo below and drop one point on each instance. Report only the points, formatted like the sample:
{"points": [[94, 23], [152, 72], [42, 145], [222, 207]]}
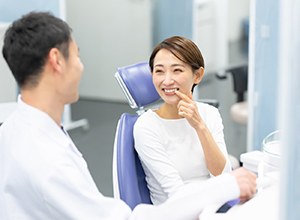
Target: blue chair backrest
{"points": [[131, 177]]}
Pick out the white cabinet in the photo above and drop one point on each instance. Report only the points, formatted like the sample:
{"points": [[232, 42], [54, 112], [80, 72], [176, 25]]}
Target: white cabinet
{"points": [[210, 32]]}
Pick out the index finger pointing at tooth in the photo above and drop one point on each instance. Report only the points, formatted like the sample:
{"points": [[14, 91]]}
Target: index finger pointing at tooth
{"points": [[182, 95]]}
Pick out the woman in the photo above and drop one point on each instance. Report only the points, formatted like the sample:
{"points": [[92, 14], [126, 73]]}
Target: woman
{"points": [[182, 141]]}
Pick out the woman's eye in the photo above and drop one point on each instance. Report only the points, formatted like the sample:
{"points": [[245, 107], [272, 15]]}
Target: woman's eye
{"points": [[178, 70], [158, 71]]}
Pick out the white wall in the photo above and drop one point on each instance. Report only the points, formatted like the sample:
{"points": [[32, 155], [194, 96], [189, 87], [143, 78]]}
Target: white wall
{"points": [[110, 33], [8, 88]]}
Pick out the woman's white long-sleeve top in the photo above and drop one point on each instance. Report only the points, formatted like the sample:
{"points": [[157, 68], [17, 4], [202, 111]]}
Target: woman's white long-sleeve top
{"points": [[171, 152]]}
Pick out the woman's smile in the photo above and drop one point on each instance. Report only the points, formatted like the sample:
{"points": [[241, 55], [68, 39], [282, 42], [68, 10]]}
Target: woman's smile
{"points": [[170, 91]]}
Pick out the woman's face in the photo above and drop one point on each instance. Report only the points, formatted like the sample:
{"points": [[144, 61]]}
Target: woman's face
{"points": [[171, 74]]}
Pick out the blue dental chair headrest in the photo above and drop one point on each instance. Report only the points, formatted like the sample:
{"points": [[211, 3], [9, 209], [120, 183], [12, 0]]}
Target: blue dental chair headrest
{"points": [[136, 82]]}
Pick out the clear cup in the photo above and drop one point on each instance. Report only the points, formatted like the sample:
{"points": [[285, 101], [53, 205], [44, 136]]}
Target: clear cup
{"points": [[271, 149]]}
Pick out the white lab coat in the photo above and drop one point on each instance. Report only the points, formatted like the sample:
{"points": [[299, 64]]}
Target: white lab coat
{"points": [[43, 176]]}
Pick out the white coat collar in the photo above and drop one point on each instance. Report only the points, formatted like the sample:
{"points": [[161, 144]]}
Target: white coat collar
{"points": [[42, 121]]}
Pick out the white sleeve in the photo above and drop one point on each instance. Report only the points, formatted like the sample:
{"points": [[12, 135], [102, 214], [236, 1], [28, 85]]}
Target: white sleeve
{"points": [[69, 194], [190, 200], [154, 157], [216, 128]]}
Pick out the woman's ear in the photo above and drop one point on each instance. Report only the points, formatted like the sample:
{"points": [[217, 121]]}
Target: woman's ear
{"points": [[199, 75]]}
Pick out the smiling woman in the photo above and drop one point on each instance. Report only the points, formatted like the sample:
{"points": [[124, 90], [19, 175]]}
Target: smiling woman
{"points": [[182, 141]]}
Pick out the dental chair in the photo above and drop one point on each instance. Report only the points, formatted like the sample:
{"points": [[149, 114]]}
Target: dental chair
{"points": [[129, 182]]}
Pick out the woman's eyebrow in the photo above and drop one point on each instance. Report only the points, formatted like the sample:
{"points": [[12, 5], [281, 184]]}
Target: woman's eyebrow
{"points": [[177, 64], [158, 65]]}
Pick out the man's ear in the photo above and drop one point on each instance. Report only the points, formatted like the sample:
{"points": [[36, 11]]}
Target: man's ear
{"points": [[199, 75], [55, 59]]}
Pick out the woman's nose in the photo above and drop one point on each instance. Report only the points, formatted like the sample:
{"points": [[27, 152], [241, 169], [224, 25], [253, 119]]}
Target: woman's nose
{"points": [[168, 79]]}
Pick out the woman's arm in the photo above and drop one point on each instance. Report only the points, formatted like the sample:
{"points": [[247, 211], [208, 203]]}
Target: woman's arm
{"points": [[215, 159], [215, 156]]}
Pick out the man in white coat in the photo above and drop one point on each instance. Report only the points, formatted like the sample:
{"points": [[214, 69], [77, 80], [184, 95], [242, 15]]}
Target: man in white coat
{"points": [[42, 174]]}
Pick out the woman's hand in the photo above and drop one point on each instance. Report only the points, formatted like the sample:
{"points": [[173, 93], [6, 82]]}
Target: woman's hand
{"points": [[187, 108]]}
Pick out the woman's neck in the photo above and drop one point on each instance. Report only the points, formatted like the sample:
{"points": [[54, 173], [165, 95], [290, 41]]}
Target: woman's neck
{"points": [[168, 111]]}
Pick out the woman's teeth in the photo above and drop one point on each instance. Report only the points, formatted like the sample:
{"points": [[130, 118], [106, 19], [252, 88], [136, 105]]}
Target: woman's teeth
{"points": [[170, 90]]}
